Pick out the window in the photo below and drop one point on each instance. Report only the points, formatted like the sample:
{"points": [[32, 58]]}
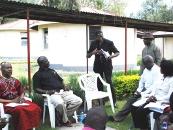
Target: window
{"points": [[92, 31], [23, 38], [45, 38]]}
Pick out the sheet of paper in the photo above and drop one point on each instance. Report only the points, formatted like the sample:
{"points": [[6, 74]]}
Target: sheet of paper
{"points": [[16, 104], [156, 106], [140, 102]]}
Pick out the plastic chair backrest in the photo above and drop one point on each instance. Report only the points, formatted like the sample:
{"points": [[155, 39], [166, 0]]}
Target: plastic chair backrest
{"points": [[89, 82]]}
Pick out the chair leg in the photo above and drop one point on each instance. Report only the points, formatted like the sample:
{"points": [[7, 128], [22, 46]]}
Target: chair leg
{"points": [[6, 127], [44, 111], [112, 104], [52, 115], [75, 116], [89, 104], [152, 121]]}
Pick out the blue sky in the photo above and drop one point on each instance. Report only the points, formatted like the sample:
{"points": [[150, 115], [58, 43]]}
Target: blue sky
{"points": [[133, 6]]}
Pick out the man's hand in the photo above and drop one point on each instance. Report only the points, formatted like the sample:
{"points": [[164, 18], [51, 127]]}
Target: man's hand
{"points": [[66, 88], [18, 100], [151, 99], [96, 51], [137, 93]]}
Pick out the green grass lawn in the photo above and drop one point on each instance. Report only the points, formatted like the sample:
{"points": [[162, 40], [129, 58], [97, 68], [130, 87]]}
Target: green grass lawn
{"points": [[125, 125]]}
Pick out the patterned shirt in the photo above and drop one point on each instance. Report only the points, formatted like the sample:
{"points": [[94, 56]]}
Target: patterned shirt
{"points": [[10, 88]]}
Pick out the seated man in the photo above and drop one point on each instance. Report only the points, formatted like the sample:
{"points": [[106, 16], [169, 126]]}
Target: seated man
{"points": [[11, 91], [47, 81], [150, 75]]}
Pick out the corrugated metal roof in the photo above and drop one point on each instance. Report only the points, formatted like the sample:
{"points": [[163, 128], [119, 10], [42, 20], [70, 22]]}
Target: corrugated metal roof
{"points": [[43, 13]]}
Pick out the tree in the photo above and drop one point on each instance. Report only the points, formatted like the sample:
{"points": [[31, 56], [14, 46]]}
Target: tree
{"points": [[156, 11], [112, 6]]}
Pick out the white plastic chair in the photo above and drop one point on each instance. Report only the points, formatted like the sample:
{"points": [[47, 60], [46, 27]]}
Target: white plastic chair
{"points": [[51, 108], [8, 116], [3, 115], [88, 83]]}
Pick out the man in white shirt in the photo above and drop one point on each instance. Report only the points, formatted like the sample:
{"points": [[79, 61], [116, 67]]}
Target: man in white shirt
{"points": [[149, 77]]}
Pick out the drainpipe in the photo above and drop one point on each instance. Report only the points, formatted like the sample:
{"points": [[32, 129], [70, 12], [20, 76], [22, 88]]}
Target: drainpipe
{"points": [[28, 52], [163, 49], [87, 46], [126, 47]]}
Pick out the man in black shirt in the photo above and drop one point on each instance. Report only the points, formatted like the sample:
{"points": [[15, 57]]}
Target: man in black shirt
{"points": [[47, 81], [104, 50]]}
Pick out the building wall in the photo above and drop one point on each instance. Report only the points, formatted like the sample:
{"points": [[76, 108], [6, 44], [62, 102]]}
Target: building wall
{"points": [[67, 45], [11, 43]]}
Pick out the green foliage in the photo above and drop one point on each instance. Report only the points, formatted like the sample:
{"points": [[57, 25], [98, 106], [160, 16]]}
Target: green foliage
{"points": [[74, 85], [64, 4], [155, 10], [23, 80], [129, 72], [37, 98], [125, 85]]}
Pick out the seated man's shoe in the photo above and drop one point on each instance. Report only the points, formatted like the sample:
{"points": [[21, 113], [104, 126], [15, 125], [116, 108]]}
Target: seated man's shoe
{"points": [[68, 124], [115, 119], [118, 119], [110, 118]]}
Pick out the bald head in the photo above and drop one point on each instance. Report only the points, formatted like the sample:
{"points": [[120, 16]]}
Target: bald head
{"points": [[148, 61], [43, 62], [6, 69]]}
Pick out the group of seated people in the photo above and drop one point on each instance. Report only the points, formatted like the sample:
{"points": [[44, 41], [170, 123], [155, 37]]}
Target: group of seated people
{"points": [[45, 81], [153, 85]]}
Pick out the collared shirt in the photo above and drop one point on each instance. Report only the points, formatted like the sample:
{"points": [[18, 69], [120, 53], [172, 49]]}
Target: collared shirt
{"points": [[47, 79], [149, 78], [107, 46], [163, 91]]}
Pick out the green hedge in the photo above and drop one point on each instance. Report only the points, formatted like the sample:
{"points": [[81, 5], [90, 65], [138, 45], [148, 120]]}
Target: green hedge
{"points": [[125, 85]]}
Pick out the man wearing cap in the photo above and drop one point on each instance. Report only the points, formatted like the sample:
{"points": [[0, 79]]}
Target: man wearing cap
{"points": [[103, 63], [150, 49]]}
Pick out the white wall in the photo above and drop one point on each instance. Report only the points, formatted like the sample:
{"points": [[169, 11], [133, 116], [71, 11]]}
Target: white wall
{"points": [[117, 35], [67, 44], [11, 44]]}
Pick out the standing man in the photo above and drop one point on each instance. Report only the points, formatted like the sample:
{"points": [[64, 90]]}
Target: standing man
{"points": [[150, 49], [100, 47], [47, 81]]}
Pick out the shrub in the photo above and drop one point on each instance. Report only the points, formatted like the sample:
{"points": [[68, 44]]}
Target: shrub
{"points": [[129, 72], [74, 85], [23, 80], [125, 85]]}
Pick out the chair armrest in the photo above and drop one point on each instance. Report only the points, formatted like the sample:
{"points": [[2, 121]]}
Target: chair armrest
{"points": [[103, 82], [80, 83]]}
